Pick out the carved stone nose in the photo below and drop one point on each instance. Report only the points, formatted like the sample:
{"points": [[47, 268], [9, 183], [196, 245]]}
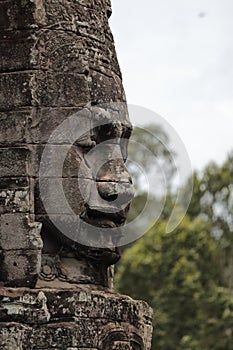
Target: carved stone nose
{"points": [[119, 192], [114, 183]]}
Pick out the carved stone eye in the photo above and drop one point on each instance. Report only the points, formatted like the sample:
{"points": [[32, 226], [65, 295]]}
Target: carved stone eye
{"points": [[108, 131]]}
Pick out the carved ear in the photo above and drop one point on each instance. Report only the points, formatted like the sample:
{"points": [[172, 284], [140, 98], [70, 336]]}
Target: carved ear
{"points": [[136, 342], [111, 334], [120, 337]]}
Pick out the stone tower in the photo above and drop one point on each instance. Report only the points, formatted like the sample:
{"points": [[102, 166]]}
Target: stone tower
{"points": [[63, 199]]}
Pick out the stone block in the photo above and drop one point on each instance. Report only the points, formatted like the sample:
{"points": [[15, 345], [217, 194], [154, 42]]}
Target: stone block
{"points": [[15, 90], [15, 195], [45, 121], [15, 200], [55, 319], [14, 162], [9, 183], [74, 15], [69, 333], [62, 89], [106, 54], [15, 336], [53, 196], [70, 270], [26, 127], [105, 89], [60, 161], [35, 126], [14, 127], [15, 49], [16, 14], [19, 268], [63, 227], [17, 232]]}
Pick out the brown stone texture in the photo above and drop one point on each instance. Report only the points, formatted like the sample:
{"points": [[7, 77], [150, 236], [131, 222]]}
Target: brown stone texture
{"points": [[72, 319], [57, 59]]}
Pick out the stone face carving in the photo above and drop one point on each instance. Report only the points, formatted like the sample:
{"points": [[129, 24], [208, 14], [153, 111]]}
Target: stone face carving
{"points": [[59, 76], [58, 60], [95, 172]]}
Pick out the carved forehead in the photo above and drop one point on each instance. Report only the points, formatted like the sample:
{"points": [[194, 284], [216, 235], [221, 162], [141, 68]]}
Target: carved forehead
{"points": [[115, 115], [97, 123], [111, 111]]}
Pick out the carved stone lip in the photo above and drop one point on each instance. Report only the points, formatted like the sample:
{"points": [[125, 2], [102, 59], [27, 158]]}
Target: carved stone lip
{"points": [[111, 225], [109, 256], [101, 223], [102, 219]]}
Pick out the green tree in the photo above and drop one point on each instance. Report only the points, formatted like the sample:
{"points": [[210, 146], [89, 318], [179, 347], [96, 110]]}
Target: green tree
{"points": [[187, 275], [177, 274], [212, 200]]}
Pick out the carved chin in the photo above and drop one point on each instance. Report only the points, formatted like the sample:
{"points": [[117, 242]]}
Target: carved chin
{"points": [[104, 256]]}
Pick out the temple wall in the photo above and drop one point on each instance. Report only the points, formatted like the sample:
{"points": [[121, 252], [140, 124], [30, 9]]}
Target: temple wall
{"points": [[56, 59]]}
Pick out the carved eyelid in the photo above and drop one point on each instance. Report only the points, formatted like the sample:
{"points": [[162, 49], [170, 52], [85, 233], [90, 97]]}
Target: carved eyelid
{"points": [[90, 139], [107, 131], [110, 131]]}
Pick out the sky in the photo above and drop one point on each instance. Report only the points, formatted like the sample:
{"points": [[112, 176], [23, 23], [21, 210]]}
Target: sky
{"points": [[176, 58]]}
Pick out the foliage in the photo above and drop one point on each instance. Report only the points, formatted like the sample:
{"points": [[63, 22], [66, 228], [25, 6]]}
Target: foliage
{"points": [[187, 275], [212, 200], [176, 273]]}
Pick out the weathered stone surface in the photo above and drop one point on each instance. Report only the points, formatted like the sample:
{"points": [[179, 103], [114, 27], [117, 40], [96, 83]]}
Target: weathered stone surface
{"points": [[57, 58], [14, 127], [69, 271], [52, 196], [44, 121], [15, 91], [15, 336], [105, 89], [19, 267], [14, 162], [60, 90], [16, 232], [15, 195], [14, 200], [15, 48], [52, 46], [35, 126], [14, 182], [16, 14], [63, 157], [73, 318]]}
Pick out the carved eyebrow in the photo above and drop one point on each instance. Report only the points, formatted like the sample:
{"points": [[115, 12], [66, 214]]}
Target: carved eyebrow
{"points": [[111, 129], [85, 140]]}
